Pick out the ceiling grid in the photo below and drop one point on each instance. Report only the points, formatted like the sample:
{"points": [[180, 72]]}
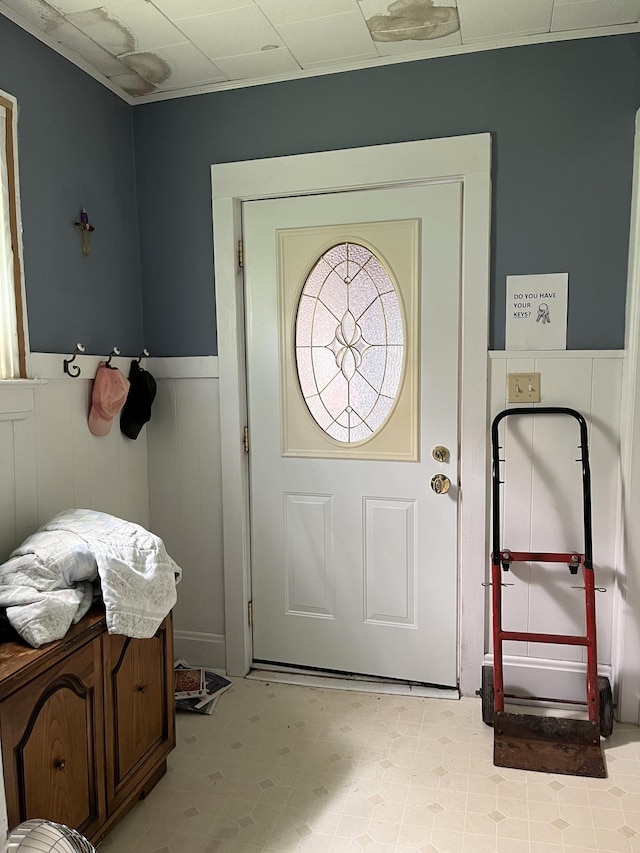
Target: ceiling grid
{"points": [[154, 49]]}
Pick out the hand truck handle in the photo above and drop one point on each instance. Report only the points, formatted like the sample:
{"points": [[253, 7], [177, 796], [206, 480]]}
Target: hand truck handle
{"points": [[586, 473]]}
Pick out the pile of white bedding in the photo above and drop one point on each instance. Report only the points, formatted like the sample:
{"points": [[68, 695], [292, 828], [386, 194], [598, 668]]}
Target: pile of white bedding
{"points": [[50, 581]]}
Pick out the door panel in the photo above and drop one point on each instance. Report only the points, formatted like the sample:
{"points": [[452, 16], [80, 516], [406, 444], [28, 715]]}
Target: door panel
{"points": [[354, 557], [308, 526], [389, 561]]}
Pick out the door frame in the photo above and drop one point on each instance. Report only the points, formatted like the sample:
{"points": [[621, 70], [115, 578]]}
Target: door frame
{"points": [[466, 159], [626, 646]]}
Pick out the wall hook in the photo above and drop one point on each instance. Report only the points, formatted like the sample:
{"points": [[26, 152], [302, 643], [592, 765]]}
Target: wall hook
{"points": [[66, 362], [114, 351], [144, 354]]}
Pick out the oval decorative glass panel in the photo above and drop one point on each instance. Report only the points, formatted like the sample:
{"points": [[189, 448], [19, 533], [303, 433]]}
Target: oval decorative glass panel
{"points": [[349, 343]]}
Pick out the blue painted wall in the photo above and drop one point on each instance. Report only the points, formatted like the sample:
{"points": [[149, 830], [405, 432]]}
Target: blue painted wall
{"points": [[562, 120], [75, 148], [561, 117]]}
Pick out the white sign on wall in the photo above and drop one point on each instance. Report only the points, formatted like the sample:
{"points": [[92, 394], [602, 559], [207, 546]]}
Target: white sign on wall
{"points": [[537, 311]]}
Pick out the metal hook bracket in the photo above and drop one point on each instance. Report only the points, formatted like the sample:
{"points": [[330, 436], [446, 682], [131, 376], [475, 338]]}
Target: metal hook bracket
{"points": [[114, 351], [74, 371]]}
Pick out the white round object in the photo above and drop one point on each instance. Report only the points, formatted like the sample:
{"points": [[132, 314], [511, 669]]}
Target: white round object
{"points": [[44, 836]]}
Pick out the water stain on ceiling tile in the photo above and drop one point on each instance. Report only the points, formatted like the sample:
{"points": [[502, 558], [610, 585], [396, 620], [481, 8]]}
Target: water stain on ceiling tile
{"points": [[150, 66], [103, 28], [133, 84], [415, 20], [47, 19]]}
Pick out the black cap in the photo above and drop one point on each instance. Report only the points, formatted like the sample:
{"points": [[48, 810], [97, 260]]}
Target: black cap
{"points": [[137, 408]]}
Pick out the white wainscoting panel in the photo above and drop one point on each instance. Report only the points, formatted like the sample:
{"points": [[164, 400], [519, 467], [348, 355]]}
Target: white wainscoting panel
{"points": [[186, 509], [541, 510], [18, 495], [170, 479], [78, 469], [53, 462], [57, 463]]}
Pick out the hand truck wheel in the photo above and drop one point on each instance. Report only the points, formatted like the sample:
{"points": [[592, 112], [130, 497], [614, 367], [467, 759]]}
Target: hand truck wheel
{"points": [[487, 695], [606, 706]]}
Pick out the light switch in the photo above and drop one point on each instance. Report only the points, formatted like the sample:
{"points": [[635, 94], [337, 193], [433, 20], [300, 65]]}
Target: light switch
{"points": [[523, 388]]}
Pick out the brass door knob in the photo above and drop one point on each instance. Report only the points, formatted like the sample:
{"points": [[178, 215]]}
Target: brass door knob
{"points": [[440, 484], [441, 453]]}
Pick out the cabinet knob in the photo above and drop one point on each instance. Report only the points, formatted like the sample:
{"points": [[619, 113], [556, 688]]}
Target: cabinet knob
{"points": [[61, 764], [142, 688]]}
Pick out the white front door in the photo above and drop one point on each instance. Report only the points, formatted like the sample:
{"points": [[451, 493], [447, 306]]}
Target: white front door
{"points": [[352, 331]]}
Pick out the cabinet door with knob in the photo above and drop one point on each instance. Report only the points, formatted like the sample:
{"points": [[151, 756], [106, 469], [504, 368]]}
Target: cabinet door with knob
{"points": [[139, 723], [53, 743]]}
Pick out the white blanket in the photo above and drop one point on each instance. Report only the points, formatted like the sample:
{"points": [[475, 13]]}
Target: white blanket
{"points": [[47, 583]]}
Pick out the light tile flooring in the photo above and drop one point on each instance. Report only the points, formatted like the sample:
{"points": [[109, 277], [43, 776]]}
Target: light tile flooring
{"points": [[280, 768]]}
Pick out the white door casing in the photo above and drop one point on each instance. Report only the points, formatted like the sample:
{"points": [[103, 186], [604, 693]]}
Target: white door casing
{"points": [[464, 158], [627, 650], [354, 563]]}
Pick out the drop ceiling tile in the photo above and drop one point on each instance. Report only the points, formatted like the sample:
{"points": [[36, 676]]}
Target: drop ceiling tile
{"points": [[292, 11], [36, 12], [67, 7], [594, 13], [409, 47], [374, 7], [127, 27], [133, 84], [190, 8], [265, 63], [484, 19], [327, 39], [174, 67], [103, 61], [232, 33]]}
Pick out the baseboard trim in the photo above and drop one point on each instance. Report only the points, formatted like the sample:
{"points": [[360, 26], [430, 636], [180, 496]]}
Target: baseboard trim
{"points": [[556, 679], [201, 649]]}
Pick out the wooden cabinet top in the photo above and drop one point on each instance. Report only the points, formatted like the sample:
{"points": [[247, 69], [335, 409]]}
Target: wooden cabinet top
{"points": [[18, 661]]}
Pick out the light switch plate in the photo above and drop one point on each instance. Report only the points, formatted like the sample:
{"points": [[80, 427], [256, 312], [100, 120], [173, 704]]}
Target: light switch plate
{"points": [[523, 388]]}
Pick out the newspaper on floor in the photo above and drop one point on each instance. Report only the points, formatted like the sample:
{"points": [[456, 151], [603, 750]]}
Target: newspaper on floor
{"points": [[214, 686]]}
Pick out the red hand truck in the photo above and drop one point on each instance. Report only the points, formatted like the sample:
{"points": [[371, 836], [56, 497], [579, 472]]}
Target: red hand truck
{"points": [[527, 741]]}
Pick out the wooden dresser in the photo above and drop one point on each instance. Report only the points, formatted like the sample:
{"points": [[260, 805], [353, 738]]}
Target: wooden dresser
{"points": [[86, 724]]}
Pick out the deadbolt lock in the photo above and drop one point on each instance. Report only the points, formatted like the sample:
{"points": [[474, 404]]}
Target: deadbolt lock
{"points": [[440, 453], [440, 484]]}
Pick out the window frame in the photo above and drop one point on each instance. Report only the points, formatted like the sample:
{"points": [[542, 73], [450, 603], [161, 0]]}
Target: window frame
{"points": [[10, 104]]}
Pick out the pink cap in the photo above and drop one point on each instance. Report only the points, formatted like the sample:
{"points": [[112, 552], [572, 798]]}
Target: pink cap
{"points": [[110, 389]]}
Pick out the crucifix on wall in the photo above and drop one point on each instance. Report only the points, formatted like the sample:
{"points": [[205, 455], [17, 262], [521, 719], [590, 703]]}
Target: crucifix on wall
{"points": [[86, 229]]}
